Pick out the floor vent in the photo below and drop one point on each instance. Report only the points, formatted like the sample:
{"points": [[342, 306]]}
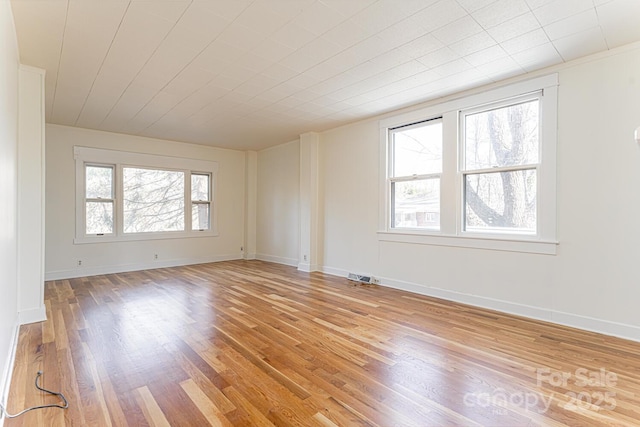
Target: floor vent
{"points": [[361, 278]]}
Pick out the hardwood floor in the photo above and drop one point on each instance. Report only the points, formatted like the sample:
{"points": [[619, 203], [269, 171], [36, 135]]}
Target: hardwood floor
{"points": [[258, 344]]}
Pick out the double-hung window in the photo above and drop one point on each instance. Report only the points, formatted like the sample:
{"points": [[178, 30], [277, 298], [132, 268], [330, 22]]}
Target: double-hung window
{"points": [[99, 199], [476, 171], [415, 151], [200, 201], [133, 196], [499, 166]]}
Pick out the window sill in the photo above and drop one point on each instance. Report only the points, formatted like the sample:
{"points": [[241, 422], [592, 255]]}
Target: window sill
{"points": [[142, 237], [497, 243]]}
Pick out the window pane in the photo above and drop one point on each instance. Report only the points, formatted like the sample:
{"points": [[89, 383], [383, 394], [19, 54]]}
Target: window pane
{"points": [[200, 216], [153, 200], [506, 136], [416, 204], [199, 187], [501, 201], [418, 150], [99, 219], [99, 182]]}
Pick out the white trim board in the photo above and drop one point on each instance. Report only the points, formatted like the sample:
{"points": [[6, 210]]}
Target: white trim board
{"points": [[293, 262], [124, 268], [585, 323], [32, 315], [5, 380]]}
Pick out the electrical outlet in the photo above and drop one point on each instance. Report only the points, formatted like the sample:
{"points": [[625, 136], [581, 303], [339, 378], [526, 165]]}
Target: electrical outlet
{"points": [[155, 256], [304, 257], [241, 248], [79, 263]]}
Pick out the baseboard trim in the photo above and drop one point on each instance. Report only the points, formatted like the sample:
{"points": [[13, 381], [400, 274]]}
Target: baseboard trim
{"points": [[33, 315], [5, 381], [123, 268], [586, 323], [308, 268], [278, 260]]}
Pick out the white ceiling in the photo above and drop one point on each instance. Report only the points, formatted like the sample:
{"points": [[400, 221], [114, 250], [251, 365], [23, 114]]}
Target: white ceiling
{"points": [[248, 74]]}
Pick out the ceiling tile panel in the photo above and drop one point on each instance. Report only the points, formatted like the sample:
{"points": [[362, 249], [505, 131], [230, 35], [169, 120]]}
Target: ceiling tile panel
{"points": [[500, 12], [473, 5], [319, 18], [165, 64], [619, 21], [261, 17], [241, 37], [526, 41], [558, 10], [293, 36], [139, 36], [574, 24], [440, 14], [189, 80], [348, 8], [485, 56], [473, 44], [421, 46], [538, 57], [438, 57], [88, 37], [458, 30], [500, 69], [132, 101], [515, 27], [581, 44], [227, 9], [347, 33]]}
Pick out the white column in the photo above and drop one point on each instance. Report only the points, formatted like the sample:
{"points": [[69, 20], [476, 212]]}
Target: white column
{"points": [[31, 182], [309, 205], [251, 203]]}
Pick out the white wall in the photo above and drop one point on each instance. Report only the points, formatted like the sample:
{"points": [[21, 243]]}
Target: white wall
{"points": [[591, 283], [8, 188], [62, 254], [278, 219]]}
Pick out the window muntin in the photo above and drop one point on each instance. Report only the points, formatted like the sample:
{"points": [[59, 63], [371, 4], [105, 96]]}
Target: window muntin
{"points": [[414, 175], [200, 201], [99, 199], [501, 147], [153, 200]]}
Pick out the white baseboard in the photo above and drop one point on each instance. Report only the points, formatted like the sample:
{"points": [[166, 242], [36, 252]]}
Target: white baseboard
{"points": [[278, 260], [5, 380], [249, 257], [586, 323], [123, 268], [306, 267], [32, 315]]}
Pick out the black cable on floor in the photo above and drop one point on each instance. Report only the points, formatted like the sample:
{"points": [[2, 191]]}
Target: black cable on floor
{"points": [[64, 399]]}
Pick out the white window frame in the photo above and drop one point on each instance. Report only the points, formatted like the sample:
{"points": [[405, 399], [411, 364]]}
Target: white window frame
{"points": [[86, 156], [393, 179], [451, 232], [201, 202], [111, 200]]}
